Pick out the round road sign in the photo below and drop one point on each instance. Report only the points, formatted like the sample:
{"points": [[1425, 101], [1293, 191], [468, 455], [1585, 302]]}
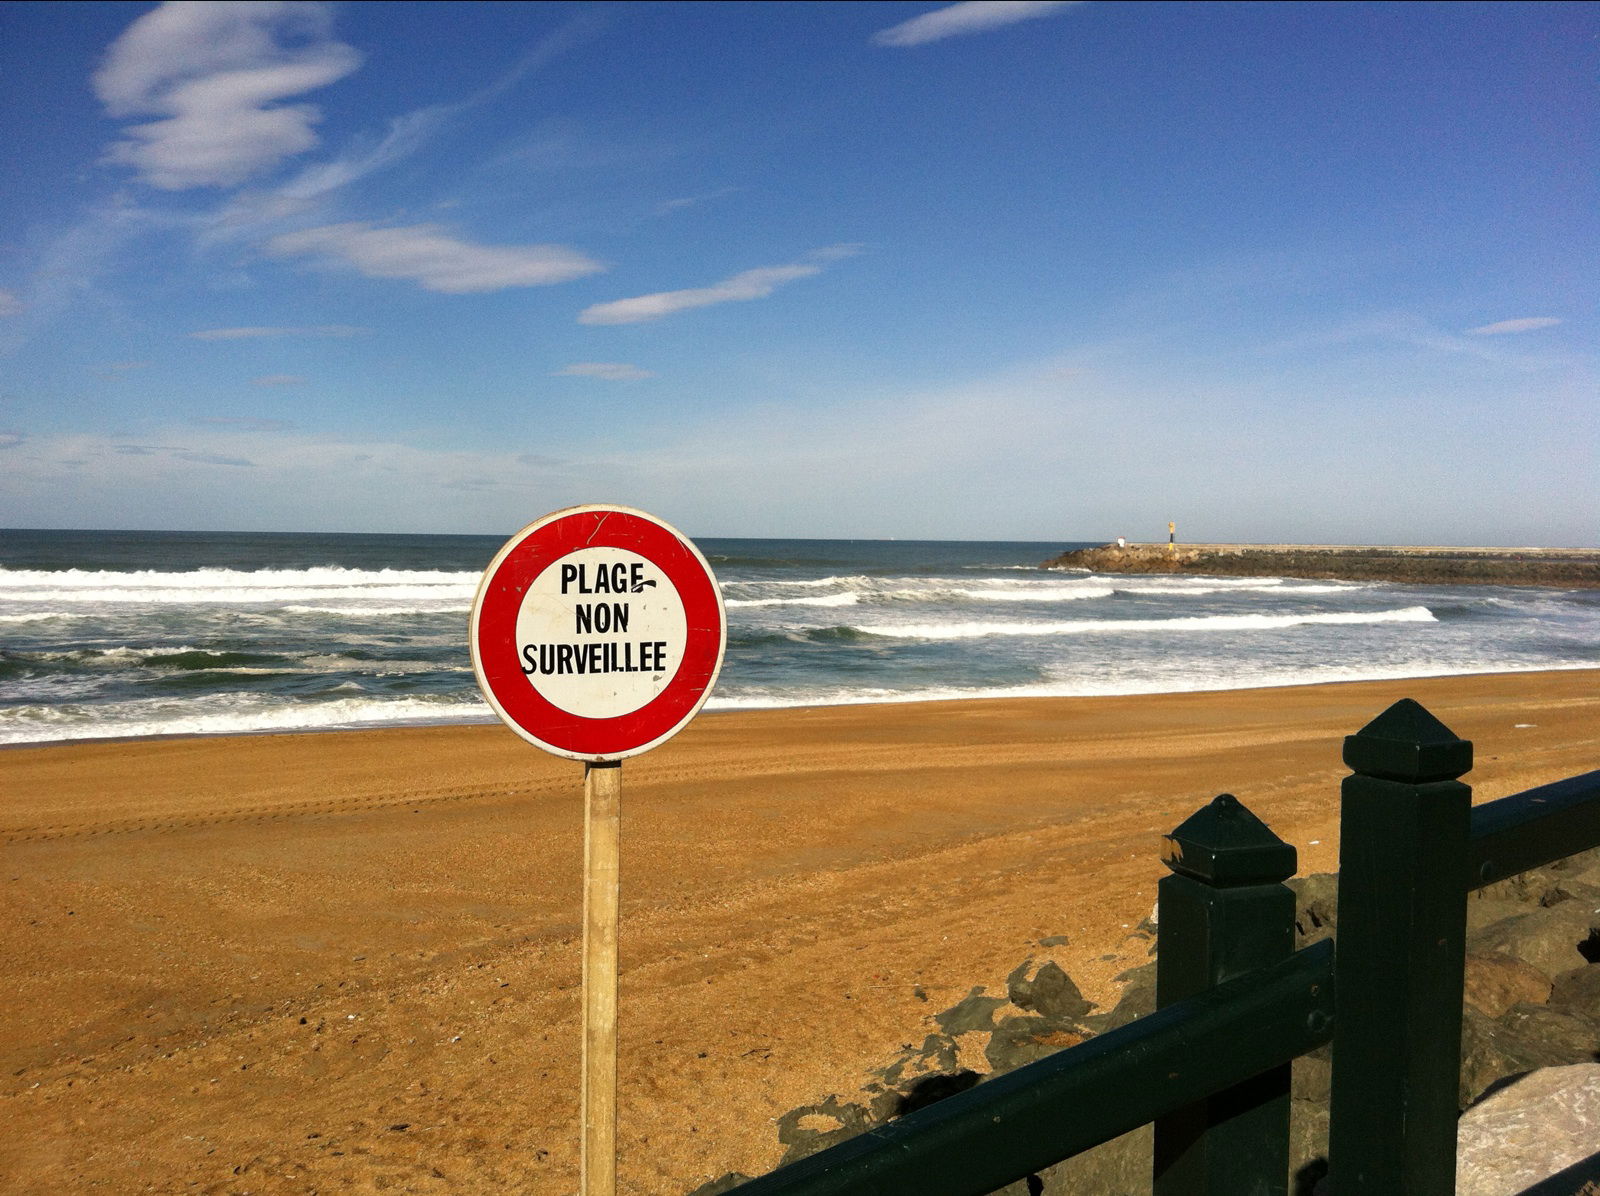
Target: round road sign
{"points": [[597, 632]]}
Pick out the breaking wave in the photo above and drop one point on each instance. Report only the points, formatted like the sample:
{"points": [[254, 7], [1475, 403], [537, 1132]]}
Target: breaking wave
{"points": [[957, 631]]}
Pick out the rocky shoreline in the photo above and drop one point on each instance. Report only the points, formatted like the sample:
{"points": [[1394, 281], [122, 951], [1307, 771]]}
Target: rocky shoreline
{"points": [[1531, 1009], [1567, 567]]}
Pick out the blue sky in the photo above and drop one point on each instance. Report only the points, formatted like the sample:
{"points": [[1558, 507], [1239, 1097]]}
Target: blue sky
{"points": [[1320, 272]]}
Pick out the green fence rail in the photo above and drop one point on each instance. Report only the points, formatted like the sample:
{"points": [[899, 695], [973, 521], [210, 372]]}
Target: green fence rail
{"points": [[1237, 1004]]}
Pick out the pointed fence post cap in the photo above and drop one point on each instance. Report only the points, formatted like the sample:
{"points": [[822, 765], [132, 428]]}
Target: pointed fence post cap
{"points": [[1224, 844], [1406, 743]]}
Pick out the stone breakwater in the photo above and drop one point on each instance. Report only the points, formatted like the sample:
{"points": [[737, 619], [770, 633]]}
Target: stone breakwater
{"points": [[1566, 567], [1530, 1008]]}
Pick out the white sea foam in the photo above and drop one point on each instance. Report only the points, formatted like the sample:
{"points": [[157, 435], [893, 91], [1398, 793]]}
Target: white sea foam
{"points": [[848, 599], [958, 631], [227, 714], [1134, 683], [905, 589], [211, 579], [810, 583], [1038, 593], [231, 585], [185, 595], [121, 654], [369, 611], [38, 616]]}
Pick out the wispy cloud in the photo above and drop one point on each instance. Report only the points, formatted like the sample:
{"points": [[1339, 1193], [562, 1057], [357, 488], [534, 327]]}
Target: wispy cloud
{"points": [[215, 72], [261, 332], [750, 284], [70, 266], [257, 214], [215, 459], [836, 253], [689, 201], [429, 256], [406, 135], [974, 16], [1526, 324], [279, 380], [610, 371], [10, 305]]}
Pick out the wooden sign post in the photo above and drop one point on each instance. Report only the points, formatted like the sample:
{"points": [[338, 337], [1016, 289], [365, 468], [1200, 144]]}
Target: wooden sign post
{"points": [[602, 877], [597, 634]]}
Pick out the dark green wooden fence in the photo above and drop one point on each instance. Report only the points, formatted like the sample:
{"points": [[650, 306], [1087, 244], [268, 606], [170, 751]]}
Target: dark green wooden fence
{"points": [[1236, 1002]]}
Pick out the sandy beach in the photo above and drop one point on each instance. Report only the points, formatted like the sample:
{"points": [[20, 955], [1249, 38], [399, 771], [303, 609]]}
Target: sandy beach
{"points": [[349, 961]]}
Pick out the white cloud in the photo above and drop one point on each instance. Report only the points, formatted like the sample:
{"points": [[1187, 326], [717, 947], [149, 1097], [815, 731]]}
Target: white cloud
{"points": [[611, 371], [1527, 324], [214, 72], [836, 253], [215, 459], [751, 284], [255, 333], [974, 16], [689, 201], [279, 380], [429, 256], [10, 305]]}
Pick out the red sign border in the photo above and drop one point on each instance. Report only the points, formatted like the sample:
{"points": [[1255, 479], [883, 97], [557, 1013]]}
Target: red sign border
{"points": [[497, 664]]}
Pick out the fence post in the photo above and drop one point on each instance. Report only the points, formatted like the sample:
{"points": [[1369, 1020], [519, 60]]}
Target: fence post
{"points": [[1399, 957], [1224, 911]]}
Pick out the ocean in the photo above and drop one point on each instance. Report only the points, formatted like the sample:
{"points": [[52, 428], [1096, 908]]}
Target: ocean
{"points": [[182, 633]]}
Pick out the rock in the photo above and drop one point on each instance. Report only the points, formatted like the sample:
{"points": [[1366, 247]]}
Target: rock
{"points": [[1543, 1125], [1316, 907], [1579, 863], [1488, 1054], [1552, 1037], [1583, 868], [1586, 892], [974, 1012], [1526, 1038], [936, 1054], [1047, 991], [1491, 910], [1020, 1040], [1138, 998], [1536, 886], [1406, 565], [811, 1128], [1149, 925], [1495, 983], [1030, 1185], [1578, 991], [1308, 1144], [1120, 1166], [723, 1183], [1552, 940], [1312, 1076], [922, 1092]]}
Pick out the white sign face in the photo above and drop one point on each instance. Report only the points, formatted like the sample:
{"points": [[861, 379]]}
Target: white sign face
{"points": [[601, 632], [597, 632]]}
